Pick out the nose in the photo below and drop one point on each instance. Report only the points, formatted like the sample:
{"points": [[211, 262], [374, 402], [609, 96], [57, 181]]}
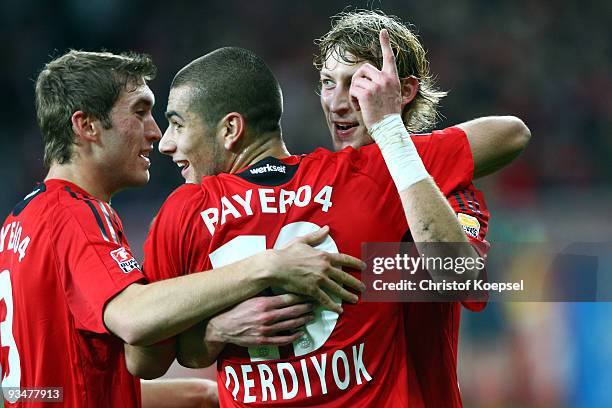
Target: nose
{"points": [[339, 101], [167, 144], [152, 131]]}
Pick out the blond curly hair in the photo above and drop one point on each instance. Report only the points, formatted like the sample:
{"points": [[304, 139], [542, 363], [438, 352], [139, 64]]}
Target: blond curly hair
{"points": [[354, 37]]}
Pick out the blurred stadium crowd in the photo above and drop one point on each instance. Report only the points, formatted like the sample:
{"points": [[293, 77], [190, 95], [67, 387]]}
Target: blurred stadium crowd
{"points": [[549, 63]]}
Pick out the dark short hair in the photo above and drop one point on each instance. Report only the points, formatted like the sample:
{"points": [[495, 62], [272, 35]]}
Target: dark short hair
{"points": [[233, 79], [357, 33], [87, 81]]}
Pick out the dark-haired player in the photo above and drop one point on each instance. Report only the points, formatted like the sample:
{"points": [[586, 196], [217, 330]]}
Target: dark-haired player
{"points": [[494, 142], [224, 112]]}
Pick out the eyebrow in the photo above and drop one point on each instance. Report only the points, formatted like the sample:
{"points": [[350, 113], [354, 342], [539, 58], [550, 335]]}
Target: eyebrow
{"points": [[171, 113], [144, 101], [329, 74]]}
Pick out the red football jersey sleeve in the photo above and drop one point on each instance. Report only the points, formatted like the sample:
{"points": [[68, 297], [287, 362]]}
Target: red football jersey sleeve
{"points": [[473, 215], [63, 256], [98, 261], [448, 157]]}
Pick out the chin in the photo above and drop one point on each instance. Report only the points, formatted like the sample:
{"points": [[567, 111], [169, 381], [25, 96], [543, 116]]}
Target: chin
{"points": [[142, 180], [355, 143], [362, 140], [340, 144], [192, 179]]}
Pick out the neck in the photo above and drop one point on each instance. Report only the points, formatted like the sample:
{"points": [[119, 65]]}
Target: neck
{"points": [[261, 148], [82, 177]]}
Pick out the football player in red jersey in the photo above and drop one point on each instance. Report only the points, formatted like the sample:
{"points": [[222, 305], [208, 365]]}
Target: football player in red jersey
{"points": [[346, 56], [349, 64], [71, 292], [224, 111], [494, 142], [65, 254]]}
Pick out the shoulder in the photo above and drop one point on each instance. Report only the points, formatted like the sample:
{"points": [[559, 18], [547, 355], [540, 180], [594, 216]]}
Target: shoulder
{"points": [[185, 191], [453, 131], [74, 212], [183, 196], [452, 134], [180, 205], [362, 165], [320, 154], [452, 138], [347, 159], [60, 207], [348, 155], [322, 158], [67, 204]]}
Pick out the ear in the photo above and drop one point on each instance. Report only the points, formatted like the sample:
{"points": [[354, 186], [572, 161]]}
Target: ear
{"points": [[85, 127], [410, 88], [232, 129]]}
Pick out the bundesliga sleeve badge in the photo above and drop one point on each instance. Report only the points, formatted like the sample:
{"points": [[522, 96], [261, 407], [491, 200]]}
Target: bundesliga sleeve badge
{"points": [[124, 259]]}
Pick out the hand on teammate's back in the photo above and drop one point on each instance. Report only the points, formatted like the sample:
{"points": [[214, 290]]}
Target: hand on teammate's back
{"points": [[272, 320], [304, 270]]}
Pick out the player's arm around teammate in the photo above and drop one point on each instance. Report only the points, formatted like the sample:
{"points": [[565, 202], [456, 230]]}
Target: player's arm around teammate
{"points": [[157, 311], [495, 141]]}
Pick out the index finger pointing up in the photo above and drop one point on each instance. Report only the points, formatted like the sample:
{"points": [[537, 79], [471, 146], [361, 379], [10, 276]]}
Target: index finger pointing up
{"points": [[387, 53]]}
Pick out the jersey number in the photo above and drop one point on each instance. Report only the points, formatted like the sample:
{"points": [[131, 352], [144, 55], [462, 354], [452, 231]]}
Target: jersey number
{"points": [[7, 341], [320, 328]]}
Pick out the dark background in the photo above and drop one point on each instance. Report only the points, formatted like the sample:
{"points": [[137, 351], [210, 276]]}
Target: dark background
{"points": [[547, 62]]}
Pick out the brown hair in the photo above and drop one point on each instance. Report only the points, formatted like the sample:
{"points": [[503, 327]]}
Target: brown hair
{"points": [[354, 37], [87, 81]]}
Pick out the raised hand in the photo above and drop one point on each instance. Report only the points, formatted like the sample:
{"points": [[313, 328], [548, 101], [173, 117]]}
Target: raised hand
{"points": [[377, 93]]}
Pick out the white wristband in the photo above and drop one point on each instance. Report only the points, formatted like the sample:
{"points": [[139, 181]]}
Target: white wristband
{"points": [[398, 150]]}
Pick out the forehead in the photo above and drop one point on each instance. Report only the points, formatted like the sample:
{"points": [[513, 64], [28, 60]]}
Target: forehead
{"points": [[181, 102], [184, 99], [133, 93], [180, 97], [339, 63]]}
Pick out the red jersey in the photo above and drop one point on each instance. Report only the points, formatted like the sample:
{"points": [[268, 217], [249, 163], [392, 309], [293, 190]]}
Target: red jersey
{"points": [[357, 359], [63, 255], [432, 328]]}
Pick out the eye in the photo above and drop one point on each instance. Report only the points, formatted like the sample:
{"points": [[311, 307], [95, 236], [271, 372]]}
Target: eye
{"points": [[175, 124], [326, 83], [141, 113]]}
